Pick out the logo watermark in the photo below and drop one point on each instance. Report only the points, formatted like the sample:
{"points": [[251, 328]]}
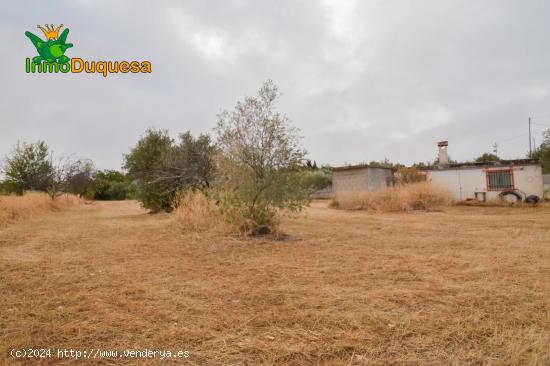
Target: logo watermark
{"points": [[52, 59]]}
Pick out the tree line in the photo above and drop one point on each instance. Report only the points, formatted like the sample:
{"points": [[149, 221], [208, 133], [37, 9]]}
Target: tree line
{"points": [[252, 166], [34, 167]]}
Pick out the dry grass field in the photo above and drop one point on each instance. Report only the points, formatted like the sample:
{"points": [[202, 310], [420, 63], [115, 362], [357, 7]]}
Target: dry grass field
{"points": [[466, 286], [17, 208]]}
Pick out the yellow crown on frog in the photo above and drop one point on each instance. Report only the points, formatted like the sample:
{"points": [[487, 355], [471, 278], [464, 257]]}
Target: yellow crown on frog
{"points": [[49, 31]]}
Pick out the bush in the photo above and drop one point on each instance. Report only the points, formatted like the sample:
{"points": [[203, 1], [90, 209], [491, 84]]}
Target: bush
{"points": [[118, 191], [110, 185], [153, 197], [317, 179], [408, 197]]}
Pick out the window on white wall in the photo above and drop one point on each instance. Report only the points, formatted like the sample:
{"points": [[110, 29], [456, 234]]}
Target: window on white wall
{"points": [[498, 180]]}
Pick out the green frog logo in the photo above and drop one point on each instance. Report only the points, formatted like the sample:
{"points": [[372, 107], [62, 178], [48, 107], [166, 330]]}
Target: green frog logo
{"points": [[53, 48]]}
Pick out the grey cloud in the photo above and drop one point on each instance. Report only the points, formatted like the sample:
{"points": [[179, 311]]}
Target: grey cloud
{"points": [[363, 80]]}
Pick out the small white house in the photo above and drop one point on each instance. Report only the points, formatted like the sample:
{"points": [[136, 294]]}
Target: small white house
{"points": [[516, 179]]}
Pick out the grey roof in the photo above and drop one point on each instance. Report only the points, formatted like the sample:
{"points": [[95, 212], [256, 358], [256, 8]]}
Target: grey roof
{"points": [[500, 163], [358, 166]]}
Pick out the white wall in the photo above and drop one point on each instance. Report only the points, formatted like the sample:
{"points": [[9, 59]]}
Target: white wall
{"points": [[528, 178], [464, 182]]}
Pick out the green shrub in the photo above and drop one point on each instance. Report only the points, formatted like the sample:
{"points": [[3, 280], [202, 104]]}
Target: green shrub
{"points": [[317, 179], [161, 167], [28, 167], [109, 185]]}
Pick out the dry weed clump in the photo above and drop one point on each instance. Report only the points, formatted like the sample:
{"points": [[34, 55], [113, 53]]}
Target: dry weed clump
{"points": [[195, 212], [16, 208], [406, 197]]}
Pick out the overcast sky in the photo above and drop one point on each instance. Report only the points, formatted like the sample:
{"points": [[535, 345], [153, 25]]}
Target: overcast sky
{"points": [[363, 80]]}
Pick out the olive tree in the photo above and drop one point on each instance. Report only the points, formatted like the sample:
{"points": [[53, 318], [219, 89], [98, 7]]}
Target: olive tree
{"points": [[259, 162]]}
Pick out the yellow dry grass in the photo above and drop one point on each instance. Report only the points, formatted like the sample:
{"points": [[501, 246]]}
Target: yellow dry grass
{"points": [[465, 286], [195, 212], [15, 208], [402, 197]]}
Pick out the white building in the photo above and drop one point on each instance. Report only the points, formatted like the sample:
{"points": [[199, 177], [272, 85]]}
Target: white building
{"points": [[513, 179]]}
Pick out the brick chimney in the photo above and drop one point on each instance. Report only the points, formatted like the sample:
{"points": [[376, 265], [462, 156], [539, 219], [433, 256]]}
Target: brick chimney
{"points": [[442, 156]]}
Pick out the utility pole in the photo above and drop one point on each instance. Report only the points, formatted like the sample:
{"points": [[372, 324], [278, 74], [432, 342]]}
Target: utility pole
{"points": [[530, 149], [495, 148]]}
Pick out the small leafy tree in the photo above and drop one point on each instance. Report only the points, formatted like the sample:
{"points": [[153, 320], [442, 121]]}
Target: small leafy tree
{"points": [[142, 163], [64, 171], [28, 167], [487, 157], [259, 162], [82, 178], [162, 168], [149, 151]]}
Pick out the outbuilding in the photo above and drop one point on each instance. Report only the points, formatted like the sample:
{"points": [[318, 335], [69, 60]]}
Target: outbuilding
{"points": [[351, 179]]}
